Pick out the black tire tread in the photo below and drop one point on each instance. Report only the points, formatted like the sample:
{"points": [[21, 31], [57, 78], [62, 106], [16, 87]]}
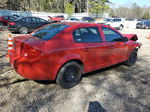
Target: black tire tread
{"points": [[60, 80], [127, 62]]}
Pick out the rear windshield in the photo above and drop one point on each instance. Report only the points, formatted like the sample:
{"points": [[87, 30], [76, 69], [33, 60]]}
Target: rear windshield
{"points": [[49, 31]]}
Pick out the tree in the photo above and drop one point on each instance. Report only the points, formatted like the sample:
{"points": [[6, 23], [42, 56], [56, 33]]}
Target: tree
{"points": [[136, 11], [99, 6], [69, 9], [146, 15], [112, 13]]}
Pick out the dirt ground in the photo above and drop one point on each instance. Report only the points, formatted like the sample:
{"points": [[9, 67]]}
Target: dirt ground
{"points": [[116, 89]]}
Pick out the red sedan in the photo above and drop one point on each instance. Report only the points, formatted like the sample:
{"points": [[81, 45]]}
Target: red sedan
{"points": [[5, 19], [64, 51]]}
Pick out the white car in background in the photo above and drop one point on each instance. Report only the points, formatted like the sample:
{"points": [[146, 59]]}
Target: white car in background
{"points": [[72, 19], [117, 23], [103, 21]]}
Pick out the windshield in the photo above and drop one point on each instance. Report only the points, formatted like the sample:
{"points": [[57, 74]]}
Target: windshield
{"points": [[49, 31]]}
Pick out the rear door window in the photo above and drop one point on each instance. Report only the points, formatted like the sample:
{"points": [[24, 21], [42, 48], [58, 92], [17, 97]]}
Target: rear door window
{"points": [[49, 31], [35, 20], [87, 35]]}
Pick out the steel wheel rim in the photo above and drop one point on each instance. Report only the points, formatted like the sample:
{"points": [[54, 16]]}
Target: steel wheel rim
{"points": [[23, 30], [70, 74]]}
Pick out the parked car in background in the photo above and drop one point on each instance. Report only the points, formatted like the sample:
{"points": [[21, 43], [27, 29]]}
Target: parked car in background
{"points": [[64, 51], [17, 16], [26, 24], [139, 20], [87, 19], [56, 18], [143, 24], [129, 19], [117, 23], [72, 19], [5, 19], [103, 21]]}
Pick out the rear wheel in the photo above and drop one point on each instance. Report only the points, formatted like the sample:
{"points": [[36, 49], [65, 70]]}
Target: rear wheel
{"points": [[69, 75], [23, 30], [120, 27], [132, 59], [1, 24], [146, 27]]}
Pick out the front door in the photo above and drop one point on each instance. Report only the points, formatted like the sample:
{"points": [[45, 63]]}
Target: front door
{"points": [[88, 43], [118, 48]]}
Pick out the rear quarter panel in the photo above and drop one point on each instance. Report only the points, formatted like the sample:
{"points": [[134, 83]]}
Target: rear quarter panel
{"points": [[60, 50]]}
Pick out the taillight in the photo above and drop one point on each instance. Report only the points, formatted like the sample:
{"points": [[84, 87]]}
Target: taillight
{"points": [[12, 23], [30, 52]]}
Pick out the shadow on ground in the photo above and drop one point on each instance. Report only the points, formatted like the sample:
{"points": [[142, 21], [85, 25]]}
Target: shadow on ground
{"points": [[95, 106]]}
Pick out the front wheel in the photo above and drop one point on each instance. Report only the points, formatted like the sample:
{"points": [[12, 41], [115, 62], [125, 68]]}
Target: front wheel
{"points": [[69, 75], [146, 27], [132, 59]]}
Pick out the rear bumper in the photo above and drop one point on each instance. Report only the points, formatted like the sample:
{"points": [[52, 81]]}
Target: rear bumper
{"points": [[13, 29], [34, 70]]}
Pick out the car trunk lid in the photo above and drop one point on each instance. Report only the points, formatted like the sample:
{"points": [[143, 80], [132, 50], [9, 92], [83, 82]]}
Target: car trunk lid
{"points": [[21, 42]]}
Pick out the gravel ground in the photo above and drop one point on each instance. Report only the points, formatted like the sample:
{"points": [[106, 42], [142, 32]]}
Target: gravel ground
{"points": [[115, 89]]}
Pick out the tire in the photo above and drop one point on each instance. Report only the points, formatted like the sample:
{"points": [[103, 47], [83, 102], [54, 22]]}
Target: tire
{"points": [[1, 24], [23, 30], [69, 75], [132, 59], [120, 27], [146, 27]]}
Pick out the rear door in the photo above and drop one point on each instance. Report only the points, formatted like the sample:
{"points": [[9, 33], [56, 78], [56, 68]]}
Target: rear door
{"points": [[41, 22], [117, 48], [29, 23], [89, 44], [35, 23]]}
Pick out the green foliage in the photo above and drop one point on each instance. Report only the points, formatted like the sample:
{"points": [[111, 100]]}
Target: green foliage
{"points": [[111, 13], [99, 6], [69, 9], [146, 15]]}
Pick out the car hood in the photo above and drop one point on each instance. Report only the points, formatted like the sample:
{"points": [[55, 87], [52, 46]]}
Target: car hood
{"points": [[131, 36]]}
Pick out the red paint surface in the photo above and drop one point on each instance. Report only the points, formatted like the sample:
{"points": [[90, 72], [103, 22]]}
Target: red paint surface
{"points": [[4, 21], [62, 49]]}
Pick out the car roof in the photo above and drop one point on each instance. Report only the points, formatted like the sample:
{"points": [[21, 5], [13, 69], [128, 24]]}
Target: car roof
{"points": [[6, 16], [31, 17], [80, 24]]}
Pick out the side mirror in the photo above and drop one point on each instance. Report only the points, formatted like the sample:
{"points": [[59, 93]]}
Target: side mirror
{"points": [[124, 39]]}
